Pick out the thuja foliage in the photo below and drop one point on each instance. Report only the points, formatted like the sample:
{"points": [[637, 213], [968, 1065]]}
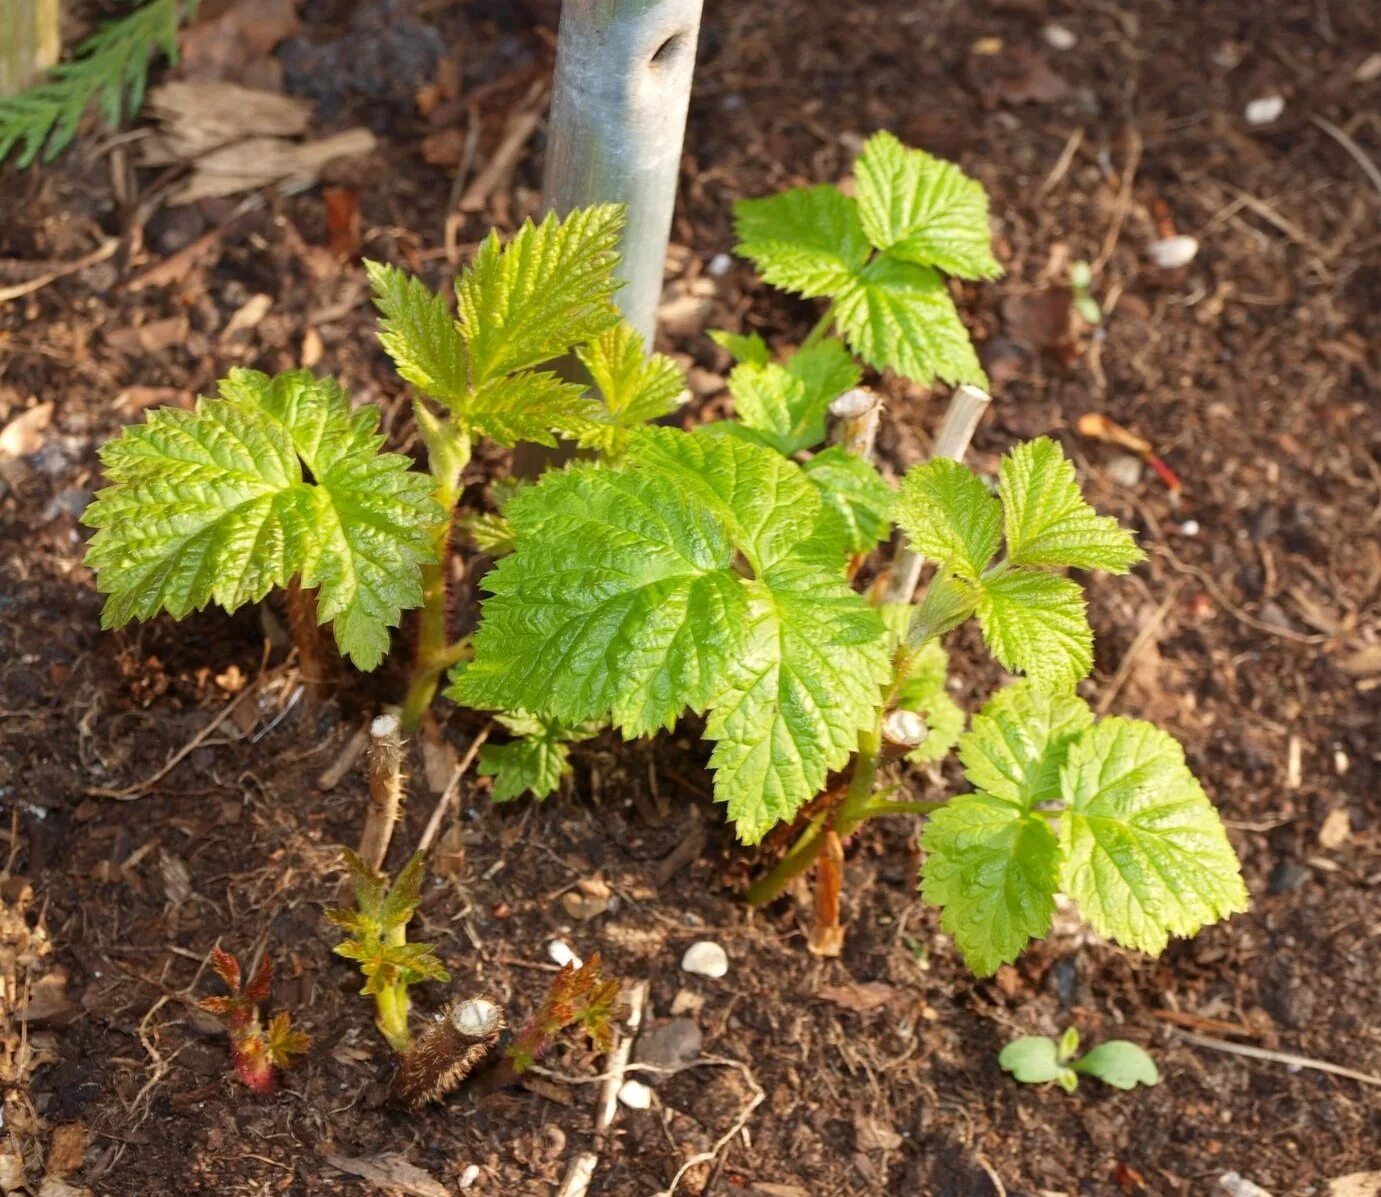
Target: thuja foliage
{"points": [[109, 68], [257, 1051], [667, 573]]}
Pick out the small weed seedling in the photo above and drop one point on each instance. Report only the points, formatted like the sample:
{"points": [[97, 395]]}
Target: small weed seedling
{"points": [[713, 572], [1037, 1060], [377, 942], [111, 67], [256, 1051]]}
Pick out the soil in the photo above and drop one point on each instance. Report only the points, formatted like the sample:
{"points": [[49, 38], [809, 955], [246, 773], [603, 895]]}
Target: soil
{"points": [[1251, 633]]}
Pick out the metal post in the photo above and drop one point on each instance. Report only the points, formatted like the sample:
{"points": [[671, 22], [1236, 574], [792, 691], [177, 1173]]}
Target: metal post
{"points": [[618, 117]]}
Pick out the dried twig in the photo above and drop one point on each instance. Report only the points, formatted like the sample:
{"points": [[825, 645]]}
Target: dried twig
{"points": [[1124, 203], [103, 251], [452, 790], [385, 788], [854, 421], [1287, 1058], [1355, 151], [578, 1175], [618, 1058], [1135, 649], [705, 1157]]}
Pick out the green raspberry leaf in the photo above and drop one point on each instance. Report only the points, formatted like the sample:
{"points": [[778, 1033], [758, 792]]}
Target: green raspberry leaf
{"points": [[1032, 1060], [797, 696], [785, 405], [1018, 743], [948, 602], [275, 479], [636, 387], [549, 288], [924, 210], [1047, 521], [750, 348], [1035, 623], [855, 495], [991, 867], [1119, 1063], [898, 315], [1145, 854], [949, 516], [419, 333], [529, 406], [530, 764], [807, 240]]}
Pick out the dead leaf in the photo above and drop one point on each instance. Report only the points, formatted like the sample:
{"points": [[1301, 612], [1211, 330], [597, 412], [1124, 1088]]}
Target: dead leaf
{"points": [[259, 161], [1040, 320], [763, 1188], [24, 434], [238, 43], [195, 118], [872, 1134], [66, 1149], [446, 148], [247, 318], [860, 996], [153, 337], [1365, 662], [392, 1172], [1015, 75], [55, 1187], [48, 1002], [342, 220], [1356, 1184]]}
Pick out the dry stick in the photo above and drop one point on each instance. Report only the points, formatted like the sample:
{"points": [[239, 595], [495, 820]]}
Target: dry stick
{"points": [[855, 421], [1355, 151], [385, 788], [105, 250], [705, 1157], [1288, 1058], [966, 408], [335, 772], [618, 1058], [452, 790], [578, 1175], [1138, 645]]}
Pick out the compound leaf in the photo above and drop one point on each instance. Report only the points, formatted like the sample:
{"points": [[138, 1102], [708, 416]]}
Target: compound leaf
{"points": [[924, 210], [534, 761], [798, 695], [529, 406], [275, 479], [750, 347], [636, 386], [549, 288], [855, 495], [991, 866], [1018, 743], [1145, 854], [419, 333], [948, 515], [1035, 623], [1048, 522], [898, 315], [807, 240]]}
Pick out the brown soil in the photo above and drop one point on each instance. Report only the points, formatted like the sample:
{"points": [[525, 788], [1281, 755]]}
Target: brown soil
{"points": [[1253, 371]]}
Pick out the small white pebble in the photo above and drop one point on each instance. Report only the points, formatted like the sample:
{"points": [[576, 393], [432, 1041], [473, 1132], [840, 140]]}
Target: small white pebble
{"points": [[469, 1176], [1125, 470], [562, 954], [1170, 252], [705, 958], [720, 265], [1057, 37], [635, 1095], [1264, 110], [1190, 528], [1340, 762]]}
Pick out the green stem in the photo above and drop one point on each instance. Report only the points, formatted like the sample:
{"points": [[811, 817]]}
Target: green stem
{"points": [[801, 856], [391, 1003], [887, 807], [821, 329]]}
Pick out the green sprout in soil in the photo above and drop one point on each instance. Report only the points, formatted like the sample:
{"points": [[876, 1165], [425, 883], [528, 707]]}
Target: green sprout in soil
{"points": [[377, 941], [1037, 1060], [256, 1051], [741, 572]]}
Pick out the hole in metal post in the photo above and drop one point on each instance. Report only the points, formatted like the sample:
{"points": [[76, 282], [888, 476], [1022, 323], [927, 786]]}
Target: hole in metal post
{"points": [[667, 50]]}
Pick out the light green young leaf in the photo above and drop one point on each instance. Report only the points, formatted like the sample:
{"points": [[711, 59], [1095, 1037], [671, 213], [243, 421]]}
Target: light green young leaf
{"points": [[275, 479], [1035, 623], [419, 333], [948, 601], [549, 288], [924, 691], [1032, 1060], [1145, 854], [949, 516], [855, 494], [796, 697], [898, 315], [533, 764], [636, 386], [991, 866], [489, 532], [751, 348], [807, 240], [1019, 741], [620, 601], [1119, 1063], [924, 210], [529, 406], [786, 405], [1047, 521]]}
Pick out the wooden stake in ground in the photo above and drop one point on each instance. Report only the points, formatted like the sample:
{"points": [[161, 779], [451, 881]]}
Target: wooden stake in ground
{"points": [[385, 788], [30, 41]]}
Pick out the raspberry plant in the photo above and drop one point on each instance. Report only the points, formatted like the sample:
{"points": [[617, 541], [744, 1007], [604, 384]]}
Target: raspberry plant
{"points": [[711, 573], [257, 1051]]}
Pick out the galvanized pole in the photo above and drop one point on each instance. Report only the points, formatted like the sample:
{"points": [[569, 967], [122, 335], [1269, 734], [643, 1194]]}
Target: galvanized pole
{"points": [[618, 116]]}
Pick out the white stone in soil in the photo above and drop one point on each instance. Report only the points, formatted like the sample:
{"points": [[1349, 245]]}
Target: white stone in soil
{"points": [[635, 1095], [705, 959], [562, 954]]}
